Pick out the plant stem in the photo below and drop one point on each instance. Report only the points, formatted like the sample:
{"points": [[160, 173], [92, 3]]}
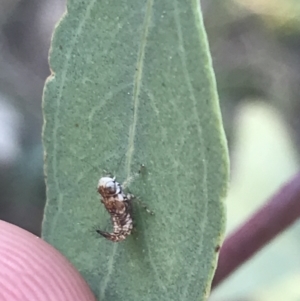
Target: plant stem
{"points": [[282, 209]]}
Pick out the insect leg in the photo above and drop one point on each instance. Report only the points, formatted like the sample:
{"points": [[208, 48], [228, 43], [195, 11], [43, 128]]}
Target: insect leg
{"points": [[143, 205], [134, 176]]}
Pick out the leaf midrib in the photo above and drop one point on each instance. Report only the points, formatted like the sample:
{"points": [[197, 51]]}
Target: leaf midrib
{"points": [[137, 86]]}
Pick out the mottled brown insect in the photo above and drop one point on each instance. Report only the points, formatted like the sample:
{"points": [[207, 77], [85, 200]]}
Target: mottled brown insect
{"points": [[118, 204]]}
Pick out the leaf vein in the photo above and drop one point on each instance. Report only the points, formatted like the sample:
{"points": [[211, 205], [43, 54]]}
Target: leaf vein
{"points": [[137, 85], [110, 266]]}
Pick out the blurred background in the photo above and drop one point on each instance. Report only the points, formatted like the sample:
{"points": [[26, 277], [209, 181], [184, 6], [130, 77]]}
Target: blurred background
{"points": [[255, 46]]}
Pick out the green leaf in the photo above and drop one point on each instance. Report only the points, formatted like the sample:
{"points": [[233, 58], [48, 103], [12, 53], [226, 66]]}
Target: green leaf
{"points": [[133, 84]]}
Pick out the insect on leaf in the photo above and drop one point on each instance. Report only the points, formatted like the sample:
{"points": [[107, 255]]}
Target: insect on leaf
{"points": [[133, 84]]}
